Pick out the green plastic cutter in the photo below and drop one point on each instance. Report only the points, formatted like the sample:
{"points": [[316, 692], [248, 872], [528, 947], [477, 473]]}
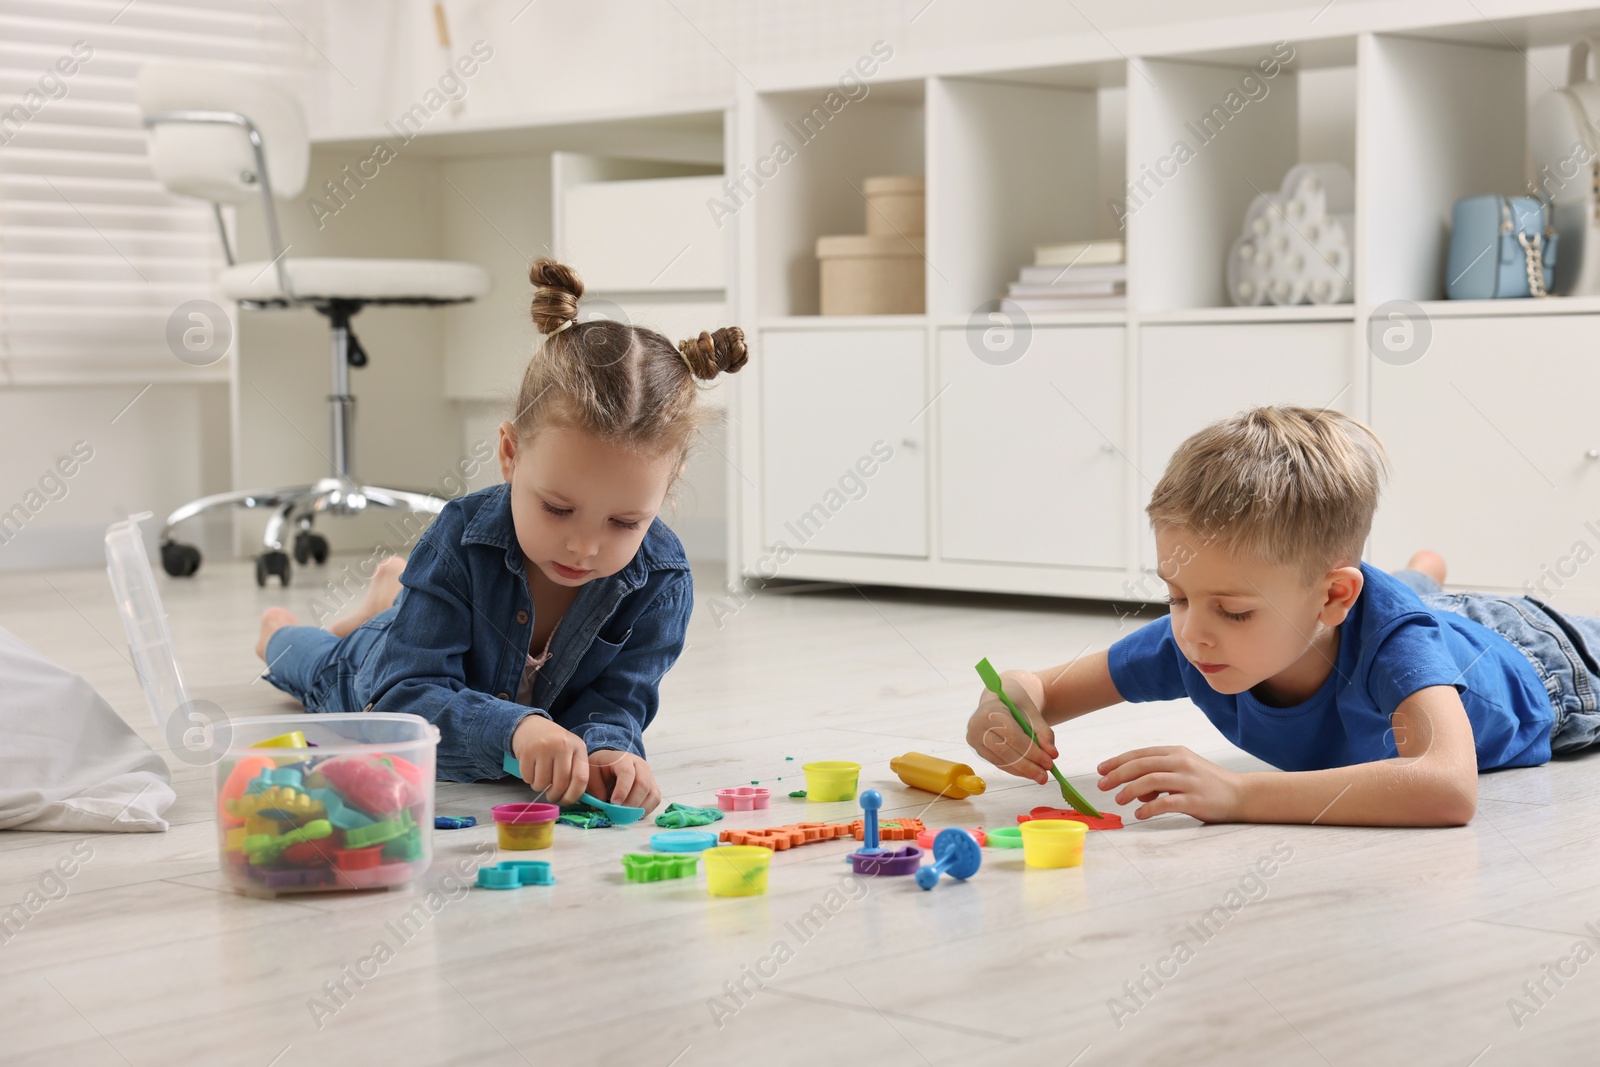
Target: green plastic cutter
{"points": [[991, 680]]}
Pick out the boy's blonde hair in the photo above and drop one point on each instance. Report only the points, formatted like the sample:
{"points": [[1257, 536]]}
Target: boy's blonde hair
{"points": [[1284, 485]]}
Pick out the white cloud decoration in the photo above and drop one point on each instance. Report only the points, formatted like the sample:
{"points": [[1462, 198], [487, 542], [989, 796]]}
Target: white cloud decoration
{"points": [[1297, 245]]}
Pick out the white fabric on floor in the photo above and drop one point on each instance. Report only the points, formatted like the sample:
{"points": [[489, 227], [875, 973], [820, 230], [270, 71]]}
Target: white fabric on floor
{"points": [[67, 760]]}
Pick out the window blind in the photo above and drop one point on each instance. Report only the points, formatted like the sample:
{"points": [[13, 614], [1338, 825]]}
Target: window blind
{"points": [[94, 254]]}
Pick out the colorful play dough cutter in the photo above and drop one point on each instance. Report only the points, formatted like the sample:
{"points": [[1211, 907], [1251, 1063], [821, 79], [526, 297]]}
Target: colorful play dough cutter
{"points": [[1004, 837], [1109, 821]]}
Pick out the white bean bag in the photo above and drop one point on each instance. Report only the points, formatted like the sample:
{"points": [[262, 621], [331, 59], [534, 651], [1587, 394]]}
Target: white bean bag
{"points": [[67, 760]]}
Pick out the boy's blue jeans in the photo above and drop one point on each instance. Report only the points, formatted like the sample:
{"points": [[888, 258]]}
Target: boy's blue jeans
{"points": [[319, 669], [1562, 648]]}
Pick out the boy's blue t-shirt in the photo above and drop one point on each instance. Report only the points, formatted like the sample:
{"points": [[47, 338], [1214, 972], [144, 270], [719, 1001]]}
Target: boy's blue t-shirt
{"points": [[1390, 646]]}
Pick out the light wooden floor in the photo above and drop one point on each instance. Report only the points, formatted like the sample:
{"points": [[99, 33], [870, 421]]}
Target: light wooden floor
{"points": [[1364, 947]]}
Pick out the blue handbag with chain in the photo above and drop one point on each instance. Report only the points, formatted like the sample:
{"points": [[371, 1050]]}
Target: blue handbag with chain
{"points": [[1500, 246]]}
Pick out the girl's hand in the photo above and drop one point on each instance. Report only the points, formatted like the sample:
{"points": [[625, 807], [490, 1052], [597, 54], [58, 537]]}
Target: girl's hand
{"points": [[554, 761], [995, 735], [1172, 778], [626, 777]]}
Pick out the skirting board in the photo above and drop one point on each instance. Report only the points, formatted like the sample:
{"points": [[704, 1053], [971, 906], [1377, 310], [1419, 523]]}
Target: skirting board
{"points": [[44, 546]]}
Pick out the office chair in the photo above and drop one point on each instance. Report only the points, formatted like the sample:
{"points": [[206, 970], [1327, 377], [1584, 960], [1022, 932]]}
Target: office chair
{"points": [[226, 136]]}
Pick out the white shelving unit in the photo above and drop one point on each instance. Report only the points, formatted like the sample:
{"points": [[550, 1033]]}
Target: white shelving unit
{"points": [[1030, 474], [817, 191]]}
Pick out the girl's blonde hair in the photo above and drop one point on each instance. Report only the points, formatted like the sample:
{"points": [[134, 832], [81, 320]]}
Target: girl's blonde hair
{"points": [[625, 384], [1283, 485]]}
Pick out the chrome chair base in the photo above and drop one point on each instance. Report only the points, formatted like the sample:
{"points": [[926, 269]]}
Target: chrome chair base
{"points": [[298, 506]]}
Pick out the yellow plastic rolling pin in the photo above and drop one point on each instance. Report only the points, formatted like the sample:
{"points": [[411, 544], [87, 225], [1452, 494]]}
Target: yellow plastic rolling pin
{"points": [[954, 780]]}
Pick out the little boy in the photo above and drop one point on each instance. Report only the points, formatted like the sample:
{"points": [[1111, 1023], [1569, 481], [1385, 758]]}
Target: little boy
{"points": [[1379, 696]]}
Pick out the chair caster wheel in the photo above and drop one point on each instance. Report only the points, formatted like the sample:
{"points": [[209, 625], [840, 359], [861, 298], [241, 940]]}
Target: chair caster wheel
{"points": [[270, 563], [179, 560], [309, 546]]}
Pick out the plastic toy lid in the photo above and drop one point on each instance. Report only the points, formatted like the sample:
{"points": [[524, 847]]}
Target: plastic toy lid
{"points": [[133, 586], [683, 841], [525, 813], [739, 854], [1054, 829], [841, 767]]}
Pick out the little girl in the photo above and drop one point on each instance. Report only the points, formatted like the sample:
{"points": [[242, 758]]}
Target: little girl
{"points": [[538, 616]]}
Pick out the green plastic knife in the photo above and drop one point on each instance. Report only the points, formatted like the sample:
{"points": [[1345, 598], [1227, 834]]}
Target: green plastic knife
{"points": [[991, 680]]}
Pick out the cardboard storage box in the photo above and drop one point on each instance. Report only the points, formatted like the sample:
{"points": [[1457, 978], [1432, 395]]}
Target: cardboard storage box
{"points": [[864, 274], [895, 206]]}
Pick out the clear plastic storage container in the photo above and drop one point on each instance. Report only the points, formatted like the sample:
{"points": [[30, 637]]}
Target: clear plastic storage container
{"points": [[305, 803], [349, 808], [133, 587]]}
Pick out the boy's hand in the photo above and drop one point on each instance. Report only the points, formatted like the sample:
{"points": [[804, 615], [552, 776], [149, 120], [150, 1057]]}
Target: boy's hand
{"points": [[995, 735], [626, 777], [554, 761], [1172, 778]]}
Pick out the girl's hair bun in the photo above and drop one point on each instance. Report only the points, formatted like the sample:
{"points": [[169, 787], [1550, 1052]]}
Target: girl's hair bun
{"points": [[556, 290], [711, 354]]}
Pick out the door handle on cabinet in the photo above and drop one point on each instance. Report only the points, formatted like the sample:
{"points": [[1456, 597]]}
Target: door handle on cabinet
{"points": [[1593, 453]]}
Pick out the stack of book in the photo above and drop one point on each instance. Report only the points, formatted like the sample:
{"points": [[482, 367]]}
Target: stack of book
{"points": [[1080, 276]]}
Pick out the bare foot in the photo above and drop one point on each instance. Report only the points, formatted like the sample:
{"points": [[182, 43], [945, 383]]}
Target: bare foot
{"points": [[381, 593], [1429, 563], [273, 620]]}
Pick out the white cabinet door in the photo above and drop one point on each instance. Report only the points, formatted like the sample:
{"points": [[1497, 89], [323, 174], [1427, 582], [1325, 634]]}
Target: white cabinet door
{"points": [[1495, 450], [1032, 465], [1192, 375], [843, 452]]}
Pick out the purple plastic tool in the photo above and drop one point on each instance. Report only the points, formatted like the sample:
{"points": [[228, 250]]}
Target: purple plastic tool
{"points": [[886, 862]]}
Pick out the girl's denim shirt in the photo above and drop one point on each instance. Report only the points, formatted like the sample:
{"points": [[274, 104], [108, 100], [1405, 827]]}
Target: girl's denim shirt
{"points": [[463, 622]]}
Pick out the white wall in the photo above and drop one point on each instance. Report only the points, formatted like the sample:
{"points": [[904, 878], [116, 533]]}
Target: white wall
{"points": [[554, 58], [170, 445]]}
